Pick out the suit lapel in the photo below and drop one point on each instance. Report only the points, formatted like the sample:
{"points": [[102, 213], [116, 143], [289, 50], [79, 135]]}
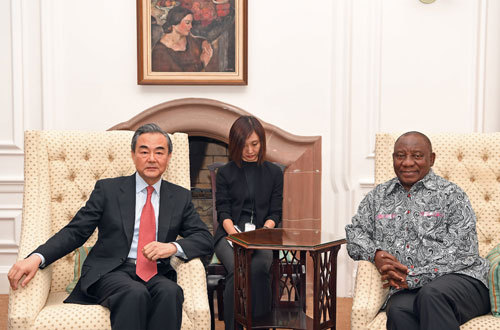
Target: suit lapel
{"points": [[165, 216], [126, 200]]}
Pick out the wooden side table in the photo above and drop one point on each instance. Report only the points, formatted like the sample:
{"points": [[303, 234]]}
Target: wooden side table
{"points": [[289, 281]]}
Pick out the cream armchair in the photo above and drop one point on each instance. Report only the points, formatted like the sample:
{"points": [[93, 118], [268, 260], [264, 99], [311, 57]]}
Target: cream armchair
{"points": [[61, 169], [473, 162]]}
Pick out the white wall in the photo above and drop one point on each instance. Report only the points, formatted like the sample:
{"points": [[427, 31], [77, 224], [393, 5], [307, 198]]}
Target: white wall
{"points": [[351, 67]]}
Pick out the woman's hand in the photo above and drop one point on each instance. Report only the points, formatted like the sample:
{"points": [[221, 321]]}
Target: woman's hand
{"points": [[206, 52], [229, 226], [269, 224]]}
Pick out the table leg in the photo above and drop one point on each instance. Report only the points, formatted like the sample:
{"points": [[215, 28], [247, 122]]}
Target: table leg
{"points": [[325, 287], [242, 287]]}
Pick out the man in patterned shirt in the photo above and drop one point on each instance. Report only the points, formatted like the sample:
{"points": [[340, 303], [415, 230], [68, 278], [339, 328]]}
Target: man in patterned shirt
{"points": [[420, 232]]}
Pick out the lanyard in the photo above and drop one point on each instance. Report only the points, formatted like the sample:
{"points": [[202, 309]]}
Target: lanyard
{"points": [[252, 198]]}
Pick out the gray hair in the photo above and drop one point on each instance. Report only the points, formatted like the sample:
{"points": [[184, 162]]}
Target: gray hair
{"points": [[150, 128]]}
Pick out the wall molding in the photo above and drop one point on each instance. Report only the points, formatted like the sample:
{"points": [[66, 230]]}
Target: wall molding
{"points": [[11, 185], [366, 184], [12, 214], [478, 68], [4, 282], [341, 131], [374, 76], [50, 32], [14, 145]]}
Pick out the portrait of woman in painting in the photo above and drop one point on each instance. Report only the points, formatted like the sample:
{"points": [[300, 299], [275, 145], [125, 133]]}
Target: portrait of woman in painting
{"points": [[198, 36], [178, 49]]}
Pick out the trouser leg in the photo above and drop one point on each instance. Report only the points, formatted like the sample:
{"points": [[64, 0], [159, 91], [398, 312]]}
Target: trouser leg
{"points": [[260, 279], [166, 303], [225, 254], [127, 299], [261, 282], [399, 311], [451, 300], [134, 304]]}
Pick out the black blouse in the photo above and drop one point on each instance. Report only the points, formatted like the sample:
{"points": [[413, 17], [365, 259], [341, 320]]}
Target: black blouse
{"points": [[252, 187]]}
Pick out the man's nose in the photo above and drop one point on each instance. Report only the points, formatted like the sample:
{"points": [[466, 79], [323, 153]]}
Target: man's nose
{"points": [[408, 161], [151, 157]]}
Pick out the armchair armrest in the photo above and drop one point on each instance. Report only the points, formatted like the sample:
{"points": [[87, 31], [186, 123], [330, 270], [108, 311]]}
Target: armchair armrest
{"points": [[26, 303], [368, 295], [192, 278]]}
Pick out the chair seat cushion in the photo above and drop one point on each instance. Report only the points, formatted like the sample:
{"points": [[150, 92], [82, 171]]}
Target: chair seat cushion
{"points": [[58, 315], [482, 322], [487, 321]]}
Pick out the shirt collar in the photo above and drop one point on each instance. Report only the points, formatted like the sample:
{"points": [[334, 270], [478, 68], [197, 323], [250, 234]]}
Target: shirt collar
{"points": [[429, 182], [140, 184]]}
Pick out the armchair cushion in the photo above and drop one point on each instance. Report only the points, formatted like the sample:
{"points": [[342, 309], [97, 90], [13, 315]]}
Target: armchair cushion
{"points": [[494, 280], [80, 255]]}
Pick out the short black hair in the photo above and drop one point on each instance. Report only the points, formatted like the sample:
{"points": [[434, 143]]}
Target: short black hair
{"points": [[150, 128], [427, 140]]}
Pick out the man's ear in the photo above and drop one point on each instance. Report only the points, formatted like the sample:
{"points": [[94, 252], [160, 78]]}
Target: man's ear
{"points": [[433, 157]]}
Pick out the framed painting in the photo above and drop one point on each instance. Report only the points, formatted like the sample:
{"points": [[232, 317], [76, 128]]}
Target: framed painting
{"points": [[192, 42]]}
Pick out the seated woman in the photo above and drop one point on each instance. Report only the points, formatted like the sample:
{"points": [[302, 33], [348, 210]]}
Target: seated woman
{"points": [[249, 196]]}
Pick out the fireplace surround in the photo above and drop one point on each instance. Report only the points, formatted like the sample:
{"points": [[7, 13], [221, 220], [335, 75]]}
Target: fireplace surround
{"points": [[212, 119]]}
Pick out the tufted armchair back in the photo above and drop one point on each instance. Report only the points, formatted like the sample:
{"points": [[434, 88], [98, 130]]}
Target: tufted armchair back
{"points": [[61, 168], [472, 161]]}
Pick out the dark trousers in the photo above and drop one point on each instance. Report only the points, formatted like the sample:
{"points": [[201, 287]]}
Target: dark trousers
{"points": [[135, 304], [260, 278], [443, 304]]}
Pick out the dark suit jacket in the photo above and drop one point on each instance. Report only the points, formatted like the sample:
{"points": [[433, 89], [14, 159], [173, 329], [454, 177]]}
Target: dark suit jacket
{"points": [[232, 191], [111, 208]]}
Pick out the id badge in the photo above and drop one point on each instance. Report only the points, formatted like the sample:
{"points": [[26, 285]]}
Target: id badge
{"points": [[249, 226]]}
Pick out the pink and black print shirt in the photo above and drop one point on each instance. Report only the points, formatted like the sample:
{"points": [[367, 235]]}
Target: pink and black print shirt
{"points": [[431, 229]]}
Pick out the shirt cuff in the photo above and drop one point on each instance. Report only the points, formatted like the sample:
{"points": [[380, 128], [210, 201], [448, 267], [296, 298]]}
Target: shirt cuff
{"points": [[223, 216], [180, 252], [42, 263]]}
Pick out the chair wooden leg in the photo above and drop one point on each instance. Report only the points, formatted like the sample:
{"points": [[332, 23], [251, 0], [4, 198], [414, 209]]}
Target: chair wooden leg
{"points": [[220, 301], [211, 305]]}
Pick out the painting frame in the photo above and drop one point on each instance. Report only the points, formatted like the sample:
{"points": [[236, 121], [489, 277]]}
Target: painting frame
{"points": [[237, 74]]}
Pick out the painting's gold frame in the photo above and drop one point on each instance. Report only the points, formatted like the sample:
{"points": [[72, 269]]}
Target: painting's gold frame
{"points": [[145, 76]]}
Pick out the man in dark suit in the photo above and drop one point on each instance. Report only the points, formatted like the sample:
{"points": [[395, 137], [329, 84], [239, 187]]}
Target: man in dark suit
{"points": [[139, 218]]}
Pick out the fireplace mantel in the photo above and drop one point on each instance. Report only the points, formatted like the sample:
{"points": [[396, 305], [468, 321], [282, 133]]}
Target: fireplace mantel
{"points": [[300, 154]]}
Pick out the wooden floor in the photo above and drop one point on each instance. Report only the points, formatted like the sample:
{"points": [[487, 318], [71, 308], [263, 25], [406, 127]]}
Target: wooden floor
{"points": [[343, 313]]}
